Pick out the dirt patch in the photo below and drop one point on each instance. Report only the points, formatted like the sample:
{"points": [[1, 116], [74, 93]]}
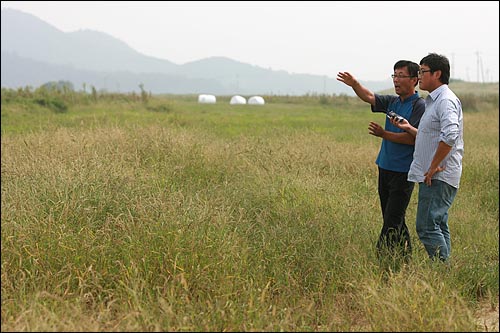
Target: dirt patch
{"points": [[487, 318]]}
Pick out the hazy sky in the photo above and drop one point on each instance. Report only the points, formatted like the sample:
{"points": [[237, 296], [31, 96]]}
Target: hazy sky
{"points": [[323, 38]]}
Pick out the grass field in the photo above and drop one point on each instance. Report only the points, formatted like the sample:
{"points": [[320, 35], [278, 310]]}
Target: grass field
{"points": [[156, 213]]}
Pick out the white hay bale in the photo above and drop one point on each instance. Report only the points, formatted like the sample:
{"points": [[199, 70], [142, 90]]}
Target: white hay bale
{"points": [[238, 100], [207, 99], [256, 100]]}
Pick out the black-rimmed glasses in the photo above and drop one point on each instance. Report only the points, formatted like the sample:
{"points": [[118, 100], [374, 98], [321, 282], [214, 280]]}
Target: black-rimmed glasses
{"points": [[399, 76], [422, 71]]}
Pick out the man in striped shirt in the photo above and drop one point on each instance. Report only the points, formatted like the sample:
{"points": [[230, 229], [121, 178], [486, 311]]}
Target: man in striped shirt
{"points": [[437, 160]]}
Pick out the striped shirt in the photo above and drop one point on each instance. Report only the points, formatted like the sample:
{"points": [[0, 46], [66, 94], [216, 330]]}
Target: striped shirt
{"points": [[442, 121]]}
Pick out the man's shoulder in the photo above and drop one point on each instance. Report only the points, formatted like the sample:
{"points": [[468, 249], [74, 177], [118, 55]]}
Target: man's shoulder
{"points": [[386, 98], [449, 93], [418, 102], [443, 91]]}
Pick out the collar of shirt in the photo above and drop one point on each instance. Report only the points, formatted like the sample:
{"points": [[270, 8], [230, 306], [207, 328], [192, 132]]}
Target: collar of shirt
{"points": [[436, 92]]}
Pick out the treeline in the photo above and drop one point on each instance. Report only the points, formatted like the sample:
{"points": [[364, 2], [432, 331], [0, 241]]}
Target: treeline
{"points": [[474, 102], [60, 96]]}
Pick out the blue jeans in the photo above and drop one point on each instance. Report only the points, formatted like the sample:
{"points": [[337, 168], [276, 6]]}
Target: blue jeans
{"points": [[432, 217]]}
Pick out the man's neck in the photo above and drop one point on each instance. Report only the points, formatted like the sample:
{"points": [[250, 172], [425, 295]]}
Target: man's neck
{"points": [[407, 96], [435, 87]]}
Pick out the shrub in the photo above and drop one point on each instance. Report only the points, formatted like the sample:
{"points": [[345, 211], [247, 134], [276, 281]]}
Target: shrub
{"points": [[52, 103]]}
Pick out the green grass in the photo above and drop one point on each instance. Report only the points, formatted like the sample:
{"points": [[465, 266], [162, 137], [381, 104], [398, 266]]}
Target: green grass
{"points": [[120, 215]]}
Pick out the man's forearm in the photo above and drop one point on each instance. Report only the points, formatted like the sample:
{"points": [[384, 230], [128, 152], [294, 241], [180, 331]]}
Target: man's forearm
{"points": [[441, 152], [363, 93], [404, 137]]}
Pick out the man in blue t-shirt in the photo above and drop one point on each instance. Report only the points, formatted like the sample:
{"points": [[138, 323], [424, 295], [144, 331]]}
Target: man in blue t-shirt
{"points": [[396, 151]]}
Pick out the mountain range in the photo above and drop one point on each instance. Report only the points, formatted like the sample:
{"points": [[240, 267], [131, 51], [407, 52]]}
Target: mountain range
{"points": [[35, 52]]}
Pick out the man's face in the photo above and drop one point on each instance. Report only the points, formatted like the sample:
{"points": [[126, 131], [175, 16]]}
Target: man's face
{"points": [[425, 77], [404, 84]]}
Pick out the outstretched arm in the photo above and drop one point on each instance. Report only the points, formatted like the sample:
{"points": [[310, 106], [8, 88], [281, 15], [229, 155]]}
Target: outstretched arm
{"points": [[364, 93]]}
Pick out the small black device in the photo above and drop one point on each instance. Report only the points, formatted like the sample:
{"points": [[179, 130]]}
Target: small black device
{"points": [[392, 114]]}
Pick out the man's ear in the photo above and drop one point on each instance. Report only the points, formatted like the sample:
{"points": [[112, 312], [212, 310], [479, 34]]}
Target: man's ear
{"points": [[439, 73]]}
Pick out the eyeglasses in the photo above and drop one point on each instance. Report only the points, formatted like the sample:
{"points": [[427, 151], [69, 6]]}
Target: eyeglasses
{"points": [[400, 76], [421, 71]]}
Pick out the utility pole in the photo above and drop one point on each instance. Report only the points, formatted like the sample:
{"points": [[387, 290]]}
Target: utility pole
{"points": [[482, 70], [477, 65], [453, 65]]}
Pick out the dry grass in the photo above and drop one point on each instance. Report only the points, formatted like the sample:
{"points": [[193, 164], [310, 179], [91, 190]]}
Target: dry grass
{"points": [[196, 219]]}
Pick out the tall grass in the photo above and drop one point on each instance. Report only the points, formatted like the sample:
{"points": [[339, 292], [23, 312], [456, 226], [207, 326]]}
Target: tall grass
{"points": [[121, 215]]}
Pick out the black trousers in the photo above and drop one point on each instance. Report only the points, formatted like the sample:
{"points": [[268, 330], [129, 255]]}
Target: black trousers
{"points": [[395, 192]]}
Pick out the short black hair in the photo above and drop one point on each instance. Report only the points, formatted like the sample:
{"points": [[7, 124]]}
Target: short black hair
{"points": [[412, 67], [438, 62]]}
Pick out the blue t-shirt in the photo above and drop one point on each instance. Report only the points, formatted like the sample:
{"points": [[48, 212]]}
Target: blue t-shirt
{"points": [[397, 156]]}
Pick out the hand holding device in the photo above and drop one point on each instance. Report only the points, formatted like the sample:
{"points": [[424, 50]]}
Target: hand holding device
{"points": [[392, 114]]}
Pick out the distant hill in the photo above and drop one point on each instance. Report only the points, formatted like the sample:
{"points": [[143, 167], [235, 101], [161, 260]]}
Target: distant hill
{"points": [[21, 72], [29, 37], [34, 52]]}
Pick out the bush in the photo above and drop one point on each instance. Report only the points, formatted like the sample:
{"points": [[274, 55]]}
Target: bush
{"points": [[54, 104]]}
